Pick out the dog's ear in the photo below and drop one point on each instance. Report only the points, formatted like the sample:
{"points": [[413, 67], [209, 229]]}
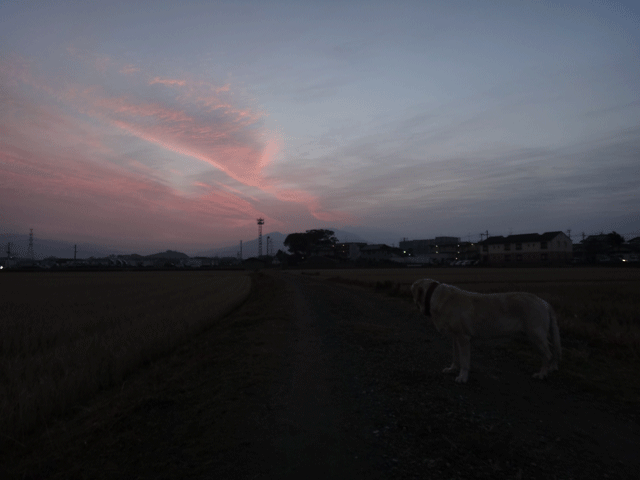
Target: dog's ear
{"points": [[426, 297]]}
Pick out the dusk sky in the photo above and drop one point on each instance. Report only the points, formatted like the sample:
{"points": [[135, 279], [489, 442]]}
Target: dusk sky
{"points": [[145, 126]]}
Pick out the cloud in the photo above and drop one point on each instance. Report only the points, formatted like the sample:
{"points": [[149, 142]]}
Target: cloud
{"points": [[61, 193], [129, 69], [498, 187], [200, 120], [68, 172], [167, 82]]}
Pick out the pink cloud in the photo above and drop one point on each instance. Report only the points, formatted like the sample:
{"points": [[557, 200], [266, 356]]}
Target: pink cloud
{"points": [[205, 122], [129, 69], [228, 144], [168, 82], [61, 195]]}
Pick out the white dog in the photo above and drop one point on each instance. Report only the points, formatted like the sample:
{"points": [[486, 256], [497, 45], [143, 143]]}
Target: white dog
{"points": [[467, 315]]}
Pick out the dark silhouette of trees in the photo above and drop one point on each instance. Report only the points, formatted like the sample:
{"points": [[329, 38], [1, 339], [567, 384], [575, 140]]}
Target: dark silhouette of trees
{"points": [[615, 239], [304, 244], [602, 244]]}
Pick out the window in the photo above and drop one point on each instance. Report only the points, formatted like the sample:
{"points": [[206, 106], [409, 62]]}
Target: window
{"points": [[543, 257], [518, 246], [507, 247], [485, 248], [507, 258], [543, 245], [518, 258]]}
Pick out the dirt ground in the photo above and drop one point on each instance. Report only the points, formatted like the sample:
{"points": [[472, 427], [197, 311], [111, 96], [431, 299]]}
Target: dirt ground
{"points": [[315, 379]]}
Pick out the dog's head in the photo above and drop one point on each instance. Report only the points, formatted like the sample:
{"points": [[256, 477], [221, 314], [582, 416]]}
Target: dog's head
{"points": [[422, 290]]}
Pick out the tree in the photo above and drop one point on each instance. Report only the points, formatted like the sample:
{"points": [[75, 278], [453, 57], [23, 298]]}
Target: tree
{"points": [[305, 243], [615, 239]]}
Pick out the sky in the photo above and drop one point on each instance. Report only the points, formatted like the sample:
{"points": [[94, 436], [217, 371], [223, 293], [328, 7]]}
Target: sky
{"points": [[145, 126]]}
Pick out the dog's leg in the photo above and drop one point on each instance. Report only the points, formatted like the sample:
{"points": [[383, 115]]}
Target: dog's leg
{"points": [[464, 350], [539, 339], [455, 364]]}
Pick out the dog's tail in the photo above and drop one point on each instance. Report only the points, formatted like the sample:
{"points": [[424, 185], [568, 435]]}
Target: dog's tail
{"points": [[555, 337]]}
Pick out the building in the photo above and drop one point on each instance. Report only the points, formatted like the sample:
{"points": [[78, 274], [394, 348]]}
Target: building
{"points": [[428, 246], [440, 249], [380, 252], [348, 250], [529, 248]]}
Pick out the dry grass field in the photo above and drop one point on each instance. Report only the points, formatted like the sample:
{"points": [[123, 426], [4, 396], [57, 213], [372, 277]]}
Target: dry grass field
{"points": [[64, 336], [598, 313]]}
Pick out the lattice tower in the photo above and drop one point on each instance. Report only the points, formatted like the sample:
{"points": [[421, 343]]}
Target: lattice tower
{"points": [[30, 250], [260, 223]]}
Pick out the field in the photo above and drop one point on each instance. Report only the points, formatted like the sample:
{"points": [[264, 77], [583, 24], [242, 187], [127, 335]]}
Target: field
{"points": [[64, 336], [313, 375], [598, 312]]}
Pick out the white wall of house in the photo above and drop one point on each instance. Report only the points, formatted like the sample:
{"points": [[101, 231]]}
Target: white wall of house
{"points": [[557, 249]]}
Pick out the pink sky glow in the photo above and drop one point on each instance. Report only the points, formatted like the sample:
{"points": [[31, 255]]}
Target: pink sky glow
{"points": [[177, 124], [71, 163]]}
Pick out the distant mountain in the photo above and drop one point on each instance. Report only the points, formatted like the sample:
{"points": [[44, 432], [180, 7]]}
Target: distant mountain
{"points": [[373, 235], [249, 248], [347, 237], [169, 255]]}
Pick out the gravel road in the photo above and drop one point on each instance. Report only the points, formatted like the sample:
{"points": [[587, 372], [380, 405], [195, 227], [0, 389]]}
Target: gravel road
{"points": [[312, 379]]}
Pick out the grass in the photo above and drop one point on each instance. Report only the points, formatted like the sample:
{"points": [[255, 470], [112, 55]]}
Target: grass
{"points": [[65, 336], [598, 314]]}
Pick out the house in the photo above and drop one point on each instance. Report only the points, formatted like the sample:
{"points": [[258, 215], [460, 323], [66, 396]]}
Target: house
{"points": [[348, 250], [529, 248], [380, 252], [439, 249]]}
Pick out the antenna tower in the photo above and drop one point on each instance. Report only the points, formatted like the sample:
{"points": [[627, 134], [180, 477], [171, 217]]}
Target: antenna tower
{"points": [[260, 223], [30, 250]]}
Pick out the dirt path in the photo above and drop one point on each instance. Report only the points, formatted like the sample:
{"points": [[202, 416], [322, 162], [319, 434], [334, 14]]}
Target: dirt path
{"points": [[311, 378]]}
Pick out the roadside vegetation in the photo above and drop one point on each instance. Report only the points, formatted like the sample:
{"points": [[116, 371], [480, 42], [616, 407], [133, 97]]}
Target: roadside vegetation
{"points": [[65, 336], [598, 314]]}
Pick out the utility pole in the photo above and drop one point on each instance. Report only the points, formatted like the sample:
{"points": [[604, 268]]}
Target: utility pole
{"points": [[30, 249], [260, 223], [569, 233]]}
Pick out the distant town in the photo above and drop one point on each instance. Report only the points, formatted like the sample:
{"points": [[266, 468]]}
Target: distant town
{"points": [[326, 251]]}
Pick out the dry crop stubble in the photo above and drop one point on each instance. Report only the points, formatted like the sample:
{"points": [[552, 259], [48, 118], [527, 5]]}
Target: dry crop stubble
{"points": [[64, 336]]}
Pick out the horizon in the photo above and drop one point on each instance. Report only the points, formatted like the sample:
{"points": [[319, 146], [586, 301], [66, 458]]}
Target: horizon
{"points": [[248, 246], [155, 126]]}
